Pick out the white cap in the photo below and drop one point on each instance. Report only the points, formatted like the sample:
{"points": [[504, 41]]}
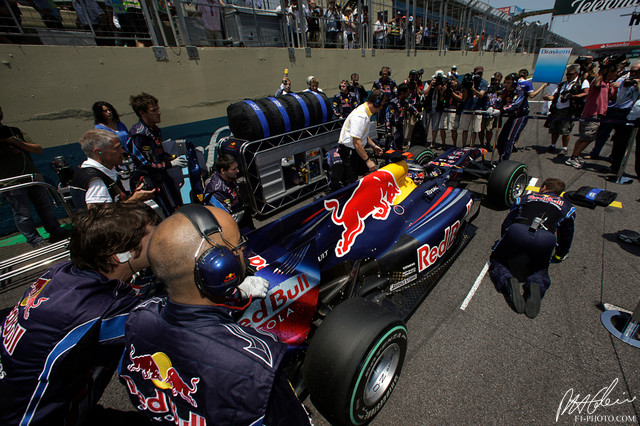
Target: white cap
{"points": [[453, 67], [438, 73], [309, 79]]}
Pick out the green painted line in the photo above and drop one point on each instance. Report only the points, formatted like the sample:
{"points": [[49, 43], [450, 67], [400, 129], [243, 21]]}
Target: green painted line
{"points": [[20, 239]]}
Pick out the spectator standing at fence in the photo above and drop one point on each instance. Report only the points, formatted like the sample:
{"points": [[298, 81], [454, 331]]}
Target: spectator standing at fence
{"points": [[380, 32], [627, 91], [298, 14], [15, 160], [356, 88], [210, 10], [595, 108], [333, 19], [349, 28], [393, 35], [49, 13], [149, 157], [344, 102], [313, 24], [567, 102], [472, 97]]}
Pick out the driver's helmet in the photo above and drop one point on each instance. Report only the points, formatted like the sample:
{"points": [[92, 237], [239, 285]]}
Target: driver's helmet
{"points": [[416, 173]]}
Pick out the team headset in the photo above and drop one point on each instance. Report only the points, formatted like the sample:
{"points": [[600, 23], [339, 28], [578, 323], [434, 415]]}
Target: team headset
{"points": [[387, 68], [378, 102], [218, 270]]}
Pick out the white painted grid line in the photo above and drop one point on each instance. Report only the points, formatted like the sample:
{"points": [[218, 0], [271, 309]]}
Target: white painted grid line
{"points": [[475, 287]]}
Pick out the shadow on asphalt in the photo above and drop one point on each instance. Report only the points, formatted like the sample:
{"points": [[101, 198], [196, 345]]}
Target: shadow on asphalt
{"points": [[628, 247]]}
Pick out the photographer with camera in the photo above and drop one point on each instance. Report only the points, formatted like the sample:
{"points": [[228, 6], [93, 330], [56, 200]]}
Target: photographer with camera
{"points": [[397, 112], [492, 107], [433, 104], [566, 102], [625, 95], [595, 107], [414, 107], [474, 88], [359, 92], [452, 99]]}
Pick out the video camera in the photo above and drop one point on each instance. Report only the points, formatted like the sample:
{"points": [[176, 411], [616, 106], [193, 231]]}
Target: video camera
{"points": [[417, 75], [615, 60], [468, 81]]}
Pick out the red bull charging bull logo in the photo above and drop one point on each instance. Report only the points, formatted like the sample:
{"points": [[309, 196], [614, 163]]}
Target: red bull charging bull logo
{"points": [[158, 369], [32, 300], [373, 196]]}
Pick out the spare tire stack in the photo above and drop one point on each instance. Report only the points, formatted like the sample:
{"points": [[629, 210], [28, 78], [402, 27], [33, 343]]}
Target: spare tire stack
{"points": [[265, 117]]}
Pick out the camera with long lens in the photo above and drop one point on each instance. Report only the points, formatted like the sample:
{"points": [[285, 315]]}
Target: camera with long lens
{"points": [[467, 81], [564, 95], [614, 60]]}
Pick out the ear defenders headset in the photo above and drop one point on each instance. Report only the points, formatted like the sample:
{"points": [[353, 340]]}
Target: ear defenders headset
{"points": [[218, 271], [387, 68], [378, 102]]}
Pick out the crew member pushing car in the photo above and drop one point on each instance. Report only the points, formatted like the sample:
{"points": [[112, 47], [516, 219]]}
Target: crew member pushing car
{"points": [[355, 130], [529, 237]]}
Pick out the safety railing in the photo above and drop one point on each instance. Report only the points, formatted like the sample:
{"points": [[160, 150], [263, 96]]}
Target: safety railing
{"points": [[35, 259], [467, 25]]}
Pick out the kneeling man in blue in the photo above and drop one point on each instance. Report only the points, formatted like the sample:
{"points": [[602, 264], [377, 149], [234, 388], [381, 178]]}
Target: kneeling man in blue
{"points": [[528, 241]]}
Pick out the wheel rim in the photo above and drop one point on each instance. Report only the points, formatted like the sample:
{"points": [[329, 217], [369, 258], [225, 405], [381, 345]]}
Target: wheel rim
{"points": [[382, 374], [518, 187]]}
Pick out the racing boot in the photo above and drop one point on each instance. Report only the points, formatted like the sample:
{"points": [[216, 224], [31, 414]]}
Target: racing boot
{"points": [[515, 295], [533, 301]]}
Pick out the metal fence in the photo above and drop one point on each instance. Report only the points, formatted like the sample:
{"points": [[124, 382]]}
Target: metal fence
{"points": [[411, 25]]}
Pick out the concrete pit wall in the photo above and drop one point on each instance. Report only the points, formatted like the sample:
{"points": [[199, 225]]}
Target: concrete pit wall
{"points": [[48, 90]]}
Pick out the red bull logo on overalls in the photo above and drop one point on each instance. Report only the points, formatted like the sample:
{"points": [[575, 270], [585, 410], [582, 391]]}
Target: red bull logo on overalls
{"points": [[32, 300], [158, 369], [373, 196]]}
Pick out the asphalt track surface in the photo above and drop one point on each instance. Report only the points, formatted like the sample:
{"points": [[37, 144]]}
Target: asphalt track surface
{"points": [[487, 364]]}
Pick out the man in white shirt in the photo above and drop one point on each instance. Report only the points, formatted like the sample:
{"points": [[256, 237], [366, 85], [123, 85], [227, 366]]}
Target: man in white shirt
{"points": [[355, 130], [96, 181]]}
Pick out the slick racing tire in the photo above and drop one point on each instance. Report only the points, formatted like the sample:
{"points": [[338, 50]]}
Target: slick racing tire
{"points": [[507, 182], [421, 155], [354, 361]]}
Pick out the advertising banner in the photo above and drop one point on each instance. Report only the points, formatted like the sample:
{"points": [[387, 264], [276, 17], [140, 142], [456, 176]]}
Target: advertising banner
{"points": [[551, 65], [576, 7]]}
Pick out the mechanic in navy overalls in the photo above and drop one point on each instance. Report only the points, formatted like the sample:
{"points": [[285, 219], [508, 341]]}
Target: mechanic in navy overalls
{"points": [[527, 243], [62, 342], [397, 111], [515, 105], [149, 157], [186, 360], [387, 86]]}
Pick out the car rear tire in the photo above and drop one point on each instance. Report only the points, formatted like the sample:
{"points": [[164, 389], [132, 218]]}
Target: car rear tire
{"points": [[354, 361], [421, 155], [507, 182]]}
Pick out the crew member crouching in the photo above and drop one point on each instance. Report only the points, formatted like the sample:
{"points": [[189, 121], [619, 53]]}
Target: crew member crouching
{"points": [[63, 340], [186, 359], [527, 243]]}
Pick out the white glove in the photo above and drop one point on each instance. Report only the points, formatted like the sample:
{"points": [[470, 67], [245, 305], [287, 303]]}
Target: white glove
{"points": [[179, 162], [254, 287]]}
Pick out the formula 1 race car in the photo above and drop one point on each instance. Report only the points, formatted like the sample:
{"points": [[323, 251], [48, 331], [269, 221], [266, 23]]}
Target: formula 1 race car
{"points": [[347, 270]]}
